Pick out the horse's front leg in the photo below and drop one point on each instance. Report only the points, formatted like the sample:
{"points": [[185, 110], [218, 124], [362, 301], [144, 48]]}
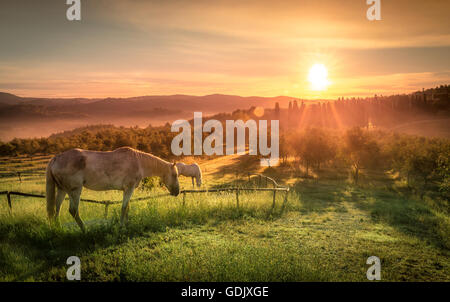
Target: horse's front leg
{"points": [[193, 182], [126, 204]]}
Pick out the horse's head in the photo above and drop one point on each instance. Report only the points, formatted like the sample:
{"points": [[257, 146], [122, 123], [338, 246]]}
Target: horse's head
{"points": [[171, 180], [198, 180], [198, 176]]}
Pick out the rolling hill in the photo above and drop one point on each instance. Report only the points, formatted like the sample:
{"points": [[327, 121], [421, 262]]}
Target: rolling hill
{"points": [[33, 117]]}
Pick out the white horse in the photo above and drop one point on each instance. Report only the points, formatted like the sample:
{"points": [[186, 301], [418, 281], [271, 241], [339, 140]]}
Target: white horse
{"points": [[192, 171], [121, 169]]}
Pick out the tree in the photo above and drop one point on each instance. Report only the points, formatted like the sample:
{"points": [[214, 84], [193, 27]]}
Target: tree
{"points": [[286, 146], [315, 147], [362, 150], [7, 149], [277, 110], [443, 170], [427, 161]]}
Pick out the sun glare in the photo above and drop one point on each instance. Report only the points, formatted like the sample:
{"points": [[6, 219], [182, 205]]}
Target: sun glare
{"points": [[318, 77]]}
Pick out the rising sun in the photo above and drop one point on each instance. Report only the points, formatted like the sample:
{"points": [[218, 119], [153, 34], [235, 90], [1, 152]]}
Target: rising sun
{"points": [[318, 77]]}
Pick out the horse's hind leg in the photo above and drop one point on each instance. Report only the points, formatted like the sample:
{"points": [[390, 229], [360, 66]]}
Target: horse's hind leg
{"points": [[59, 200], [74, 197], [126, 204]]}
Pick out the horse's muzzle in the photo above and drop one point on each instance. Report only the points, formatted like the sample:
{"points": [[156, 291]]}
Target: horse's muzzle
{"points": [[175, 192]]}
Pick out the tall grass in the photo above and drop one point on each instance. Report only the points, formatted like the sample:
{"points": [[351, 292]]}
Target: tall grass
{"points": [[326, 232]]}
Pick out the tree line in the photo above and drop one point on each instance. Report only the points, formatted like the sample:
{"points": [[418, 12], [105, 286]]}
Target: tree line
{"points": [[369, 112], [423, 163]]}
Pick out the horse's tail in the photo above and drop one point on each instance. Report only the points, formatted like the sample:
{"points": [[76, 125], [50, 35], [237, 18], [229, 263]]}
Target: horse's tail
{"points": [[50, 191]]}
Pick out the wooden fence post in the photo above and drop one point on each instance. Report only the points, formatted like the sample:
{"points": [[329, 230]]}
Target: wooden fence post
{"points": [[184, 198], [237, 198], [106, 210], [8, 197], [284, 201], [273, 203]]}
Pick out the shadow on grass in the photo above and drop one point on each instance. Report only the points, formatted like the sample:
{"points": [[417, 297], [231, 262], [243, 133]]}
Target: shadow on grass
{"points": [[242, 165], [244, 174], [319, 196], [407, 214], [30, 247], [384, 201], [377, 194]]}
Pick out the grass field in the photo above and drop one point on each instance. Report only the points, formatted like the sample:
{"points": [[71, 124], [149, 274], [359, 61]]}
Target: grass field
{"points": [[326, 233]]}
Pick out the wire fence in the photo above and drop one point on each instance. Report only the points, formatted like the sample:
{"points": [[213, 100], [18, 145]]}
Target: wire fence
{"points": [[276, 188], [20, 174]]}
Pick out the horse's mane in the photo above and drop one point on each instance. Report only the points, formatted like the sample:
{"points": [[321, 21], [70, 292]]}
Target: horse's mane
{"points": [[150, 160]]}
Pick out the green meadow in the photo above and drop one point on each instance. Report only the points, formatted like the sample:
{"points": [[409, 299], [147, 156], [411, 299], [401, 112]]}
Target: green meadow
{"points": [[326, 232]]}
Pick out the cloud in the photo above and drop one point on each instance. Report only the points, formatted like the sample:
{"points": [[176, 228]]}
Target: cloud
{"points": [[263, 47]]}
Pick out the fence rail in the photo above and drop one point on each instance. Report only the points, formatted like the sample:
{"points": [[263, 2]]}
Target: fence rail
{"points": [[239, 189], [275, 189], [104, 202], [261, 176], [19, 174]]}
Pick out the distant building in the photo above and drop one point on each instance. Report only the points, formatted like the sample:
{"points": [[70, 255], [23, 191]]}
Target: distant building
{"points": [[441, 94]]}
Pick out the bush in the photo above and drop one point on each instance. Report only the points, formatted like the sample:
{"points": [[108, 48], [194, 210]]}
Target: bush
{"points": [[150, 183]]}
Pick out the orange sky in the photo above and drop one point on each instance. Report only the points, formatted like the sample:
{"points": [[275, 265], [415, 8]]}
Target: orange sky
{"points": [[265, 48]]}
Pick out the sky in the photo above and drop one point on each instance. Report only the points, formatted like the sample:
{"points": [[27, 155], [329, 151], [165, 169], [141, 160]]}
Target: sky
{"points": [[249, 48]]}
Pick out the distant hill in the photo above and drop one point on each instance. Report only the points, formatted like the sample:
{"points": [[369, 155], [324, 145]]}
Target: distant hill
{"points": [[30, 117], [90, 128], [437, 128], [208, 104], [26, 117], [9, 99], [120, 106]]}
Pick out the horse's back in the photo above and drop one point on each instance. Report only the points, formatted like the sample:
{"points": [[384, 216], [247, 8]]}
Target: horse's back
{"points": [[70, 161], [188, 170], [97, 170], [112, 170]]}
